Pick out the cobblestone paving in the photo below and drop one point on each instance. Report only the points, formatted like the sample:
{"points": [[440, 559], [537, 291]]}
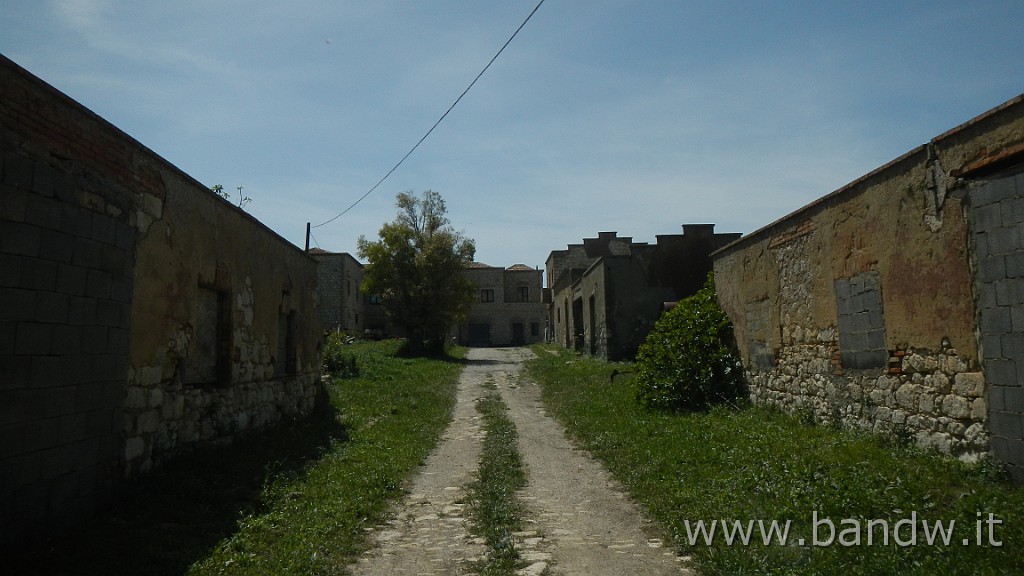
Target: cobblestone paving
{"points": [[578, 519]]}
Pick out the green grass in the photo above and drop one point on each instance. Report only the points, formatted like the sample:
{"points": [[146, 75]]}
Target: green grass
{"points": [[491, 498], [292, 500], [757, 463]]}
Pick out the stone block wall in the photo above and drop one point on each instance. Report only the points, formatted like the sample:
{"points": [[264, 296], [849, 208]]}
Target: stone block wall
{"points": [[262, 335], [504, 320], [341, 303], [607, 293]]}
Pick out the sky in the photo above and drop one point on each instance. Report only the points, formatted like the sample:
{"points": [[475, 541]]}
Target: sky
{"points": [[601, 115]]}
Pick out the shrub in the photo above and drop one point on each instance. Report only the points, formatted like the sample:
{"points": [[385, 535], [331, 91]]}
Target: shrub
{"points": [[336, 359], [688, 361]]}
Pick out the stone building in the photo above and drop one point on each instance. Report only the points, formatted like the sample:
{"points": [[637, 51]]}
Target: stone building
{"points": [[607, 292], [343, 306], [896, 303], [509, 310], [139, 312]]}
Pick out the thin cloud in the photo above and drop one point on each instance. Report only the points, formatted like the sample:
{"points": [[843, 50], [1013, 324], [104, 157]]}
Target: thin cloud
{"points": [[628, 116]]}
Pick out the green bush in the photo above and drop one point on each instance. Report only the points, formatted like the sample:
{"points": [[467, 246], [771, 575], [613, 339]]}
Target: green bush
{"points": [[688, 361], [336, 359]]}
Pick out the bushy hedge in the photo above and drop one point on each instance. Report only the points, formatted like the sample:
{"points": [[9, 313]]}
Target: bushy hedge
{"points": [[688, 361], [336, 359]]}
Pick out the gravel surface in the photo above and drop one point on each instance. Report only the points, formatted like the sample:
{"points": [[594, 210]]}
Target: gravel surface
{"points": [[578, 519]]}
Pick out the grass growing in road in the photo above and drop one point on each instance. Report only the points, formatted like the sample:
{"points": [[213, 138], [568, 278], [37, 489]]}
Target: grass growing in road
{"points": [[292, 500], [314, 523], [491, 498], [759, 464]]}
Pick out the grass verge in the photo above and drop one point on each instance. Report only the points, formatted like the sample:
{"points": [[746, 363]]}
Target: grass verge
{"points": [[759, 464], [291, 500], [491, 498]]}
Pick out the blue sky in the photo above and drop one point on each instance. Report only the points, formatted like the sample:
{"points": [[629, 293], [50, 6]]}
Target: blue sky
{"points": [[604, 115]]}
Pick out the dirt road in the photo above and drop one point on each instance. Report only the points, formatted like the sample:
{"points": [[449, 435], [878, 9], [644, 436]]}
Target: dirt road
{"points": [[578, 519]]}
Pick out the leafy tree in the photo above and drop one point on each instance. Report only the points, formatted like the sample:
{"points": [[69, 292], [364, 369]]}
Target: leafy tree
{"points": [[688, 360], [416, 267]]}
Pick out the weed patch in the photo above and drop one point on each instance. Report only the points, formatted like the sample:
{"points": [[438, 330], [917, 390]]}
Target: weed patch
{"points": [[752, 463], [493, 506]]}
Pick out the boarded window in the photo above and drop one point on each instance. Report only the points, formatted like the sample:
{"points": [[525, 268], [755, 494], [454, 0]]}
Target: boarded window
{"points": [[860, 321], [208, 360]]}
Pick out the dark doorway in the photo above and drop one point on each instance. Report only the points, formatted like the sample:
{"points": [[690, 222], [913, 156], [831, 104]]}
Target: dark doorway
{"points": [[479, 335], [577, 323], [518, 335]]}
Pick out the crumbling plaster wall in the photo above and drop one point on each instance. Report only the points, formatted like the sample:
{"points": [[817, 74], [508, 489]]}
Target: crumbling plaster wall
{"points": [[892, 257], [779, 286], [191, 240]]}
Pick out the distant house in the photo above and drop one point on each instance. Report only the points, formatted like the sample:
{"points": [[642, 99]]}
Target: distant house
{"points": [[896, 303], [509, 310], [343, 306], [607, 292], [139, 312]]}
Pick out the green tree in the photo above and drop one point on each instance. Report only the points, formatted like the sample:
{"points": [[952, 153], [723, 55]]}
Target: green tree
{"points": [[416, 267]]}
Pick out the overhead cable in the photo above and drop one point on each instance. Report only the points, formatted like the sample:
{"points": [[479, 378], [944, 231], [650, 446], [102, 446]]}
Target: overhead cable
{"points": [[439, 120]]}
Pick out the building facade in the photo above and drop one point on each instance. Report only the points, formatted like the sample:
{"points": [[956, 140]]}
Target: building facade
{"points": [[509, 310], [607, 292], [342, 305], [896, 303], [139, 312]]}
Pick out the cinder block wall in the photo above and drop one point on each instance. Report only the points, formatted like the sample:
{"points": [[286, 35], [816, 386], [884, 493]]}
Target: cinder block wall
{"points": [[997, 216], [67, 253]]}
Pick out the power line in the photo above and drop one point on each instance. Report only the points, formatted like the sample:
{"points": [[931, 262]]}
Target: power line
{"points": [[439, 120]]}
